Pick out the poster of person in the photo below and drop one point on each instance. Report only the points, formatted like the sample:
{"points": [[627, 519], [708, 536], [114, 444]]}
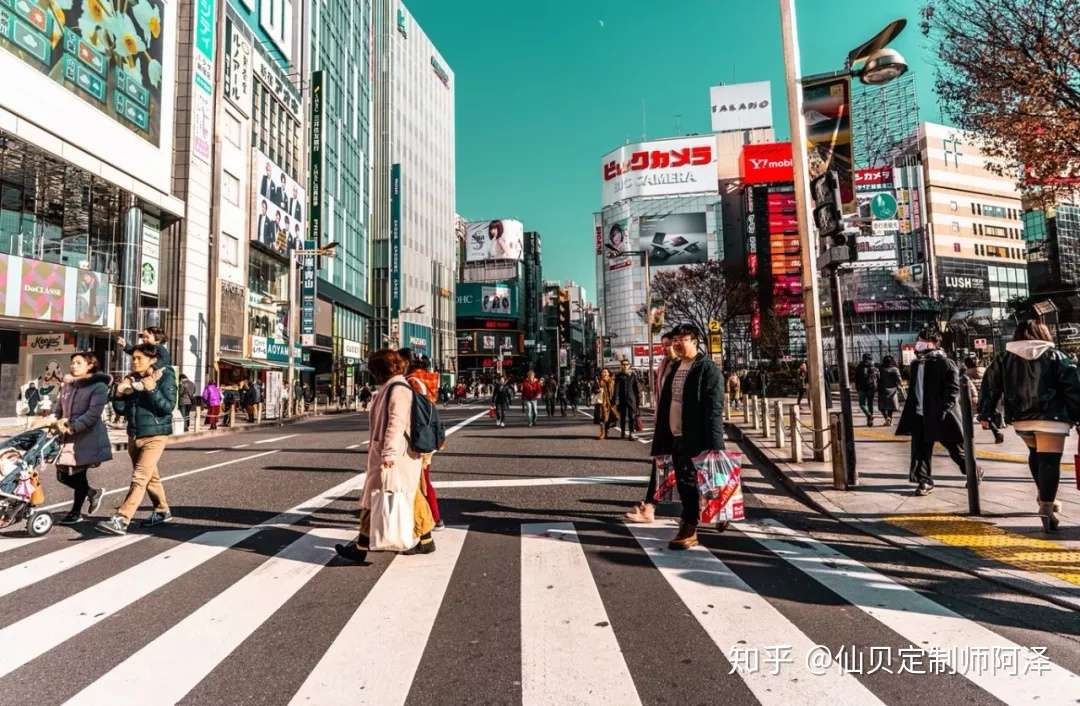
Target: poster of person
{"points": [[616, 237], [500, 239], [280, 207], [91, 298], [496, 300]]}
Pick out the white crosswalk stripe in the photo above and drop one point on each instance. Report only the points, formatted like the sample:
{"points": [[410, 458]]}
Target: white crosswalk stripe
{"points": [[571, 634], [569, 653]]}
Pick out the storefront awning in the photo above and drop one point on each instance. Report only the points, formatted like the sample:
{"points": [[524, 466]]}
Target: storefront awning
{"points": [[247, 363]]}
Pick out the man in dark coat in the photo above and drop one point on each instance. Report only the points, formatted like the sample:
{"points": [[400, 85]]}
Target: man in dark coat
{"points": [[627, 398], [689, 421], [932, 411], [866, 382]]}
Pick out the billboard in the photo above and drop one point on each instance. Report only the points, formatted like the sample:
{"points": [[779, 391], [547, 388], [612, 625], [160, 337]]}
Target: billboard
{"points": [[280, 206], [683, 165], [496, 299], [741, 106], [766, 163], [676, 239], [827, 112], [500, 239], [616, 236], [36, 289]]}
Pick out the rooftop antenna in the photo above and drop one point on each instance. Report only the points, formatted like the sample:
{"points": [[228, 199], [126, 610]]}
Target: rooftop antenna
{"points": [[678, 131], [643, 120]]}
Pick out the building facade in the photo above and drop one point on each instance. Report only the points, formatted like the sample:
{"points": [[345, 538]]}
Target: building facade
{"points": [[415, 221], [1052, 235]]}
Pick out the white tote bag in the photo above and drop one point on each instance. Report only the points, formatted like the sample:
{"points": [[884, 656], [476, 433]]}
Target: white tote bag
{"points": [[392, 517]]}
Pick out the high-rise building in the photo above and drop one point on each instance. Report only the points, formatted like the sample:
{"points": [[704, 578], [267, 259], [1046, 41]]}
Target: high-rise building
{"points": [[882, 118], [414, 219], [1052, 233]]}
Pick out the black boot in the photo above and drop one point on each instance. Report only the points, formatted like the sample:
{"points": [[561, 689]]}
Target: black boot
{"points": [[351, 552], [426, 545]]}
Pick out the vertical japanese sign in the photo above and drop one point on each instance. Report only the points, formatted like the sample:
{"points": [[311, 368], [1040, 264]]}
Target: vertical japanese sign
{"points": [[307, 297], [307, 274], [202, 117], [395, 240]]}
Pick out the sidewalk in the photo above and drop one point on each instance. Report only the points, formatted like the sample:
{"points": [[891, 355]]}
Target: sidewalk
{"points": [[1005, 544]]}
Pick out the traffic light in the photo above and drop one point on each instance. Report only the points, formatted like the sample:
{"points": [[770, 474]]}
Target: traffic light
{"points": [[827, 217], [564, 313]]}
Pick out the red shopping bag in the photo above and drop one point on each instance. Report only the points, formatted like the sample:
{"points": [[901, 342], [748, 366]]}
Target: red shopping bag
{"points": [[491, 412], [718, 479], [1076, 470]]}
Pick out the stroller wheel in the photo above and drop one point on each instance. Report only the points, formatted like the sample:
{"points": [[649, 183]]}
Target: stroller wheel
{"points": [[39, 524]]}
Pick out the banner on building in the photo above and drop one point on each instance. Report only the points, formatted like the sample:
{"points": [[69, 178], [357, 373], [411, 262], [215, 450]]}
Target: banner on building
{"points": [[683, 165], [500, 239], [766, 163], [827, 112], [307, 296], [616, 237], [496, 299], [237, 69], [675, 239], [279, 207], [315, 172], [35, 289], [395, 241], [741, 106]]}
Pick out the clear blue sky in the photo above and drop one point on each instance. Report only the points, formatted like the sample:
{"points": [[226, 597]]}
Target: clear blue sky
{"points": [[546, 87]]}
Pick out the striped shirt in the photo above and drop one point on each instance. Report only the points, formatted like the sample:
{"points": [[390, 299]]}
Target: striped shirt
{"points": [[678, 382]]}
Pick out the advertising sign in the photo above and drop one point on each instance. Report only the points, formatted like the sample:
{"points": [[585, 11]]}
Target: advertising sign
{"points": [[395, 242], [741, 106], [497, 299], [307, 297], [112, 60], [35, 289], [280, 203], [151, 255], [616, 237], [677, 239], [501, 239], [875, 248], [351, 349], [766, 163], [237, 66], [886, 227], [827, 112], [877, 179], [683, 165]]}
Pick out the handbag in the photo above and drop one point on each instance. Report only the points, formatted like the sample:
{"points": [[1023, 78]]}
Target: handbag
{"points": [[718, 481], [392, 516], [491, 412], [67, 454]]}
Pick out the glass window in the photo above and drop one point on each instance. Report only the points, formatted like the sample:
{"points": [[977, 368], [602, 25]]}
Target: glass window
{"points": [[230, 188]]}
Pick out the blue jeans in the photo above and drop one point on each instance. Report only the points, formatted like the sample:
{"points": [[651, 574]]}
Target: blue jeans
{"points": [[866, 403], [530, 411]]}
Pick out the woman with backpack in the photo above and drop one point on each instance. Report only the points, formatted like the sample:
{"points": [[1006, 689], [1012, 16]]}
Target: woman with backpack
{"points": [[389, 452], [1040, 387]]}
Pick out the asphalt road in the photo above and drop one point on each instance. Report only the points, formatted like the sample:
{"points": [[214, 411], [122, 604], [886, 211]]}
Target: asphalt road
{"points": [[537, 593]]}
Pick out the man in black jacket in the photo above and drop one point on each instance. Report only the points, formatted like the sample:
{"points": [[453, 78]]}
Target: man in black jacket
{"points": [[866, 382], [689, 421], [932, 411], [627, 398]]}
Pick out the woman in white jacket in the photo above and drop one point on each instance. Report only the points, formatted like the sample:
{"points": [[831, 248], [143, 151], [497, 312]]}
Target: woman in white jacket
{"points": [[390, 425]]}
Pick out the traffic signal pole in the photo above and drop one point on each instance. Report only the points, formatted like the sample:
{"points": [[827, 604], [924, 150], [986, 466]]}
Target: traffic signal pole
{"points": [[851, 477]]}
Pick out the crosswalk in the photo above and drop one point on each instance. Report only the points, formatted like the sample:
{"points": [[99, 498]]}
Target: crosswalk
{"points": [[567, 584]]}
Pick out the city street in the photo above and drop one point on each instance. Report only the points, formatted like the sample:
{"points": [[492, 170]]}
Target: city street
{"points": [[538, 593]]}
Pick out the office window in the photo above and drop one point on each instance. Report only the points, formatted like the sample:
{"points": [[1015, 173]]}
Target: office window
{"points": [[996, 231], [952, 206], [955, 226], [230, 188], [231, 128], [956, 247]]}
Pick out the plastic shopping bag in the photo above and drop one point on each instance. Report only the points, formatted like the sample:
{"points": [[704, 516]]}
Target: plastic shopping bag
{"points": [[718, 477], [664, 468], [392, 516], [733, 510]]}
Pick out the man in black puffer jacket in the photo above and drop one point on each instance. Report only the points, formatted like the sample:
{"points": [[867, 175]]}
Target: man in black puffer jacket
{"points": [[689, 421], [147, 397]]}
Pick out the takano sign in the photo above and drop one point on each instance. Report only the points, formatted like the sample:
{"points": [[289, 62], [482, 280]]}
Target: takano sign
{"points": [[766, 163], [684, 165]]}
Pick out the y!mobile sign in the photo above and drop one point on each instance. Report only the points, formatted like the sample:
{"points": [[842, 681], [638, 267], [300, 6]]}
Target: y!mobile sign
{"points": [[766, 163], [683, 165]]}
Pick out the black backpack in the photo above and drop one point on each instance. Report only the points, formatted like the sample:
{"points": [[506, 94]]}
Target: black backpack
{"points": [[427, 431]]}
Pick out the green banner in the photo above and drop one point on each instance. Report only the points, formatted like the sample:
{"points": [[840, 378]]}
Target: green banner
{"points": [[395, 240]]}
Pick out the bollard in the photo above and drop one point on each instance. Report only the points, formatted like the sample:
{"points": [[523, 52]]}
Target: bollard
{"points": [[753, 412], [198, 418], [836, 440], [779, 425], [766, 422], [727, 408], [796, 435], [745, 409]]}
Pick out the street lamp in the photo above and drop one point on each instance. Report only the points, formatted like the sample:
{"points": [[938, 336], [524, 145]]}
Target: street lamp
{"points": [[295, 255], [873, 64]]}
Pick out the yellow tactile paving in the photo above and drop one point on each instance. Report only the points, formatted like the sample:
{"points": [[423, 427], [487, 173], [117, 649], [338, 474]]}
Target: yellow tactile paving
{"points": [[1023, 552]]}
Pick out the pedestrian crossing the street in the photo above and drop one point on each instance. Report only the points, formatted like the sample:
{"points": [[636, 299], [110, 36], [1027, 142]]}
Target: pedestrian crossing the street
{"points": [[566, 583]]}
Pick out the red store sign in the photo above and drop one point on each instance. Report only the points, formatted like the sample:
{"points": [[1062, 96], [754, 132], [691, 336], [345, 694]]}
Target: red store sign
{"points": [[878, 179], [766, 163], [659, 159]]}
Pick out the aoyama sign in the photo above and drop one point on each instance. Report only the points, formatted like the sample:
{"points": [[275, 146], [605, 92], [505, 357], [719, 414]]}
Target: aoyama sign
{"points": [[683, 165], [766, 163]]}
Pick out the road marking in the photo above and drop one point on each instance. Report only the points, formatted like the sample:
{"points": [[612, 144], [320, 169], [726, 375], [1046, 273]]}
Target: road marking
{"points": [[465, 423], [380, 638], [7, 542], [524, 482], [569, 653], [206, 637], [215, 451], [241, 446], [174, 476], [40, 632], [702, 581], [41, 568], [917, 618], [276, 438], [356, 446]]}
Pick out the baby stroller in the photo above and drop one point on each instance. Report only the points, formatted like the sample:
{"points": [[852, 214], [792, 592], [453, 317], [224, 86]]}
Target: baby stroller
{"points": [[21, 458]]}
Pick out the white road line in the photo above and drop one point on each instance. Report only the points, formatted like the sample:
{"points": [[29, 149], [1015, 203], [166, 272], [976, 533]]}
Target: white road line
{"points": [[40, 632], [569, 652], [356, 446], [9, 543], [206, 637], [712, 591], [380, 638], [276, 438], [16, 577], [173, 476], [524, 482], [215, 451], [917, 618], [461, 425], [241, 446]]}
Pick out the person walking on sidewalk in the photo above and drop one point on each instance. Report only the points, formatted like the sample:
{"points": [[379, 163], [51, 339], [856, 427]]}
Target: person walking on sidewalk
{"points": [[802, 381], [187, 398], [365, 397], [689, 422], [1040, 387], [561, 395], [531, 390], [389, 454], [889, 388], [866, 382], [147, 397], [212, 395], [932, 411], [85, 443], [603, 398], [975, 373], [627, 398], [424, 382], [502, 395], [551, 393]]}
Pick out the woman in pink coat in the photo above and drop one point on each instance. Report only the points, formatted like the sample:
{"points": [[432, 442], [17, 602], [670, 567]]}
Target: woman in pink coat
{"points": [[390, 423]]}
